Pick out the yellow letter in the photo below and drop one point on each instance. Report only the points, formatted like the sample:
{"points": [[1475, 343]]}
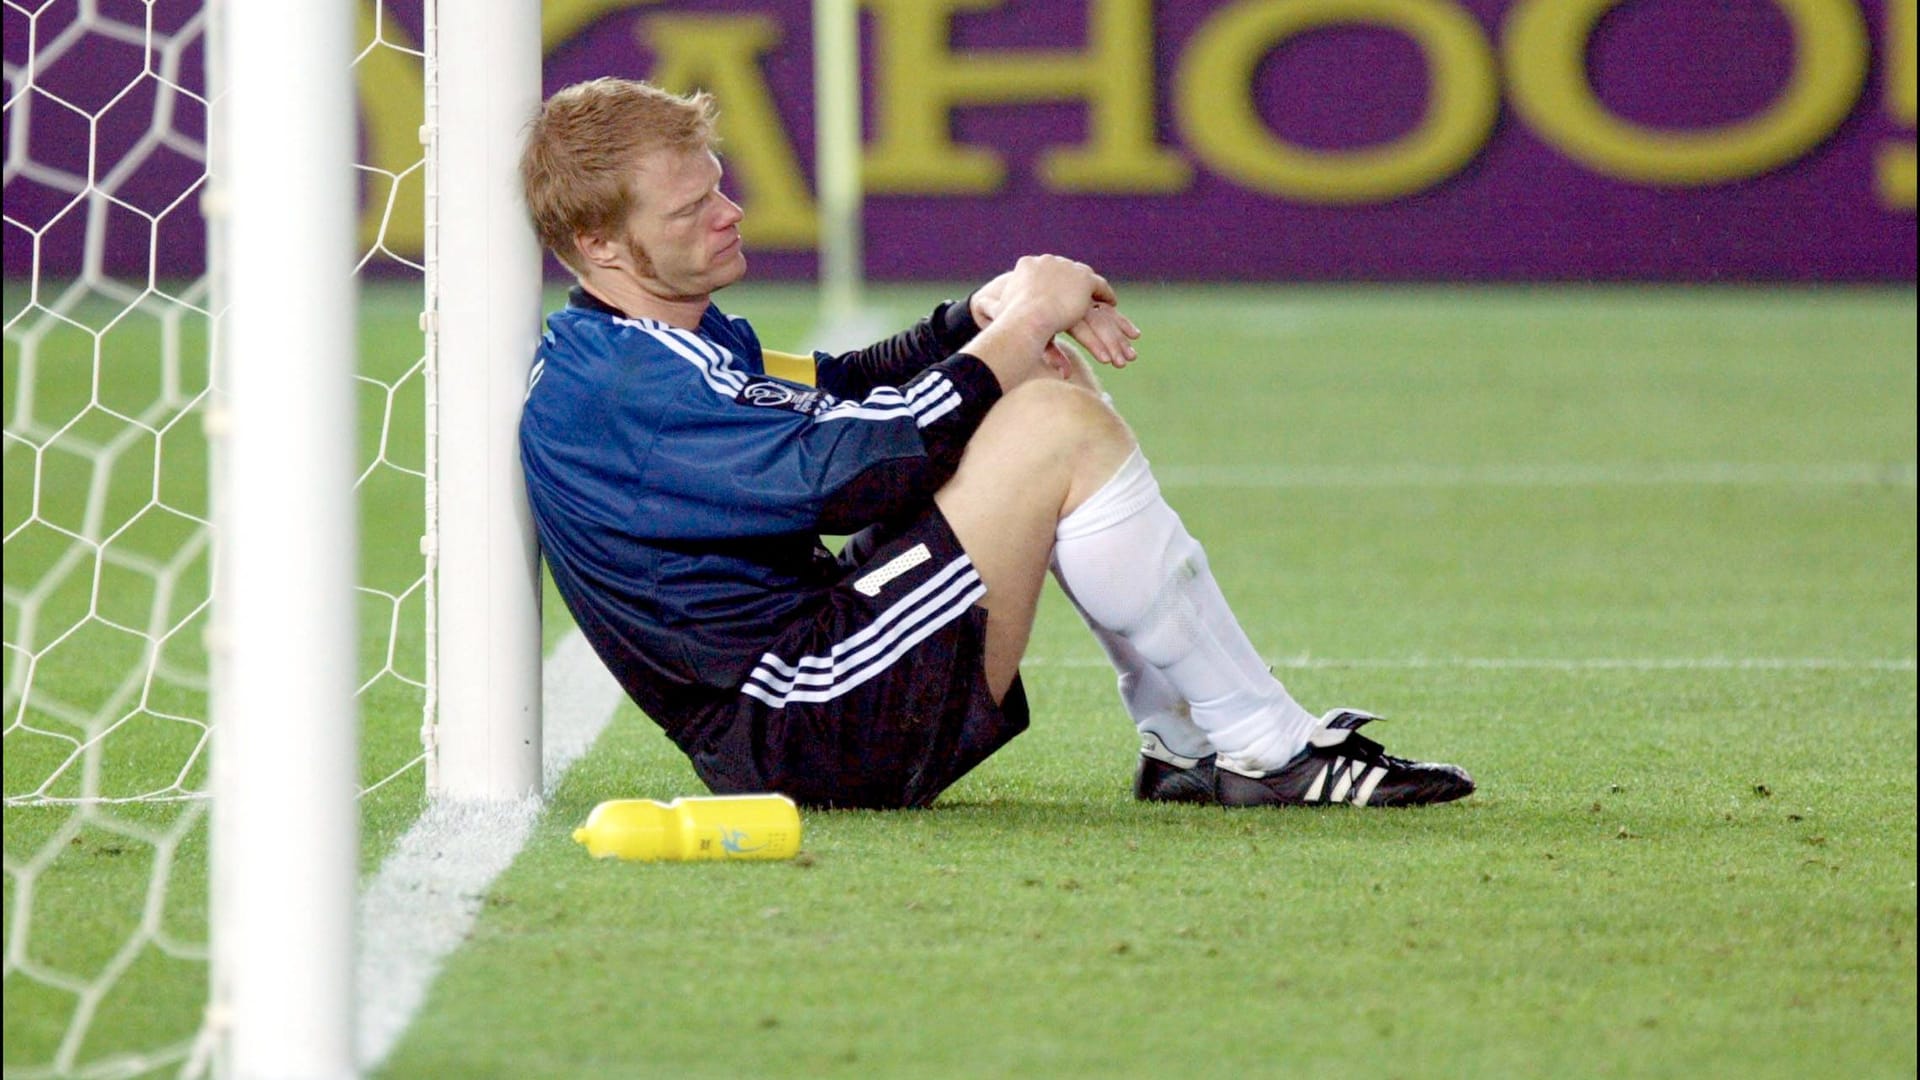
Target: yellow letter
{"points": [[1214, 100], [1546, 53], [1896, 158], [919, 81], [392, 101], [392, 97], [719, 54], [560, 20]]}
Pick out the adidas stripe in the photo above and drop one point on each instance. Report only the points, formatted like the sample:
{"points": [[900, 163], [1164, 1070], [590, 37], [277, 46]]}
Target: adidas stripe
{"points": [[909, 621], [926, 400], [1353, 781], [695, 350]]}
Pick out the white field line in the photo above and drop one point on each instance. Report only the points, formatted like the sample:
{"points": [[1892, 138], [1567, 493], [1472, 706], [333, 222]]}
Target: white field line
{"points": [[1541, 663], [423, 901], [1674, 474]]}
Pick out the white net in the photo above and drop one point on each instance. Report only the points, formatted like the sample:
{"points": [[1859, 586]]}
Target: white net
{"points": [[107, 541]]}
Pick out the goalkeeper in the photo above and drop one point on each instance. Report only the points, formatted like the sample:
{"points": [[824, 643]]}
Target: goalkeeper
{"points": [[680, 476]]}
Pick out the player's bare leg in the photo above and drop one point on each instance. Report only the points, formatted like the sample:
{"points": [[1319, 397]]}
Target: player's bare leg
{"points": [[1039, 454], [1053, 478]]}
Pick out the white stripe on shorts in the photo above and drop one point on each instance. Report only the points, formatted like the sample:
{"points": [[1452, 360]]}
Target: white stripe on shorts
{"points": [[909, 621], [881, 625]]}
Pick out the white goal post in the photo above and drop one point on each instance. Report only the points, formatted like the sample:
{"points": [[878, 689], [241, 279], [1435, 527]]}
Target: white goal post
{"points": [[285, 768], [114, 707], [483, 311], [130, 378], [285, 821]]}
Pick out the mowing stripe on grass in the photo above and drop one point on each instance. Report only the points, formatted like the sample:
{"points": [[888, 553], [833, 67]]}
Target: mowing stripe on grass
{"points": [[1544, 663], [422, 903], [1648, 474]]}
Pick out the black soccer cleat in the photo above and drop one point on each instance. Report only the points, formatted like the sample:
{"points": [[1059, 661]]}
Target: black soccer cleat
{"points": [[1340, 765], [1165, 776]]}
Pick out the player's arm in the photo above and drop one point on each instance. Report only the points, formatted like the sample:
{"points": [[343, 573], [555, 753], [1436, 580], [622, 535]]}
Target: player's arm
{"points": [[897, 359], [1104, 332], [762, 457]]}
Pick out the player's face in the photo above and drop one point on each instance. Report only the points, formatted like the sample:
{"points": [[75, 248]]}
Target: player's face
{"points": [[684, 235]]}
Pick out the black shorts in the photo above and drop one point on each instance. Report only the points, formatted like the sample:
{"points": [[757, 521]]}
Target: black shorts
{"points": [[879, 697]]}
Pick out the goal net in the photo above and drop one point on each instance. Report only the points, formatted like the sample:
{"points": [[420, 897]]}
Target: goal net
{"points": [[108, 545]]}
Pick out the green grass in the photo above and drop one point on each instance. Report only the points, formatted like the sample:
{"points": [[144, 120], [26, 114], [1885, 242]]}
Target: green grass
{"points": [[1620, 899], [1681, 870], [1579, 917], [89, 873]]}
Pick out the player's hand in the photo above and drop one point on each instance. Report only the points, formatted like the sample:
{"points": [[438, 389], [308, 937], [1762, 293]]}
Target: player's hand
{"points": [[988, 300], [1105, 332], [1021, 312], [1051, 294], [1107, 335]]}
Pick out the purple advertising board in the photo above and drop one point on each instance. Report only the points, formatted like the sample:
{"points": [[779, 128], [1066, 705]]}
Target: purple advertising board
{"points": [[1301, 140]]}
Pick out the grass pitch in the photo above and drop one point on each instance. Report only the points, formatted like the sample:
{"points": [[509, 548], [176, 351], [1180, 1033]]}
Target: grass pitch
{"points": [[1642, 560]]}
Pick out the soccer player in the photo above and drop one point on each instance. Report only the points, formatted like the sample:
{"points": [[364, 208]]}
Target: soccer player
{"points": [[681, 476]]}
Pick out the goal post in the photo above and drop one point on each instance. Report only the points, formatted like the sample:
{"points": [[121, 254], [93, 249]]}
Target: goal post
{"points": [[134, 389], [127, 708], [483, 320], [286, 773]]}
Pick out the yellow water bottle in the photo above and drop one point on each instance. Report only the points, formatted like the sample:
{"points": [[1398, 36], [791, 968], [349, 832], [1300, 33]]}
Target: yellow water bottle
{"points": [[699, 827]]}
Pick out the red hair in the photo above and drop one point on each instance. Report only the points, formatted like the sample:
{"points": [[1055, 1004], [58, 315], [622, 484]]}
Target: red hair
{"points": [[582, 150]]}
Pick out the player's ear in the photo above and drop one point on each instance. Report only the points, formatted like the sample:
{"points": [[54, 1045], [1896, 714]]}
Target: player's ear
{"points": [[597, 250], [600, 250]]}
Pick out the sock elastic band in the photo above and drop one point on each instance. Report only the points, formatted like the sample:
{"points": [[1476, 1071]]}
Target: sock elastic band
{"points": [[1131, 489]]}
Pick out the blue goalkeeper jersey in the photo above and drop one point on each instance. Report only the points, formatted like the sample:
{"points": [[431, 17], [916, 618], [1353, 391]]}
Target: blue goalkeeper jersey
{"points": [[680, 491]]}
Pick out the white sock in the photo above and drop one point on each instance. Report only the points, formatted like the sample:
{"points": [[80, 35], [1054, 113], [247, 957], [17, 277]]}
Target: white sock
{"points": [[1156, 707], [1133, 570]]}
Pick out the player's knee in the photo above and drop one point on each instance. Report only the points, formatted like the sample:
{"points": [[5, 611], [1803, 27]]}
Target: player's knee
{"points": [[1063, 416]]}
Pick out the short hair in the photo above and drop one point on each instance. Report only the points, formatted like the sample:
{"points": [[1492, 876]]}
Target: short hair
{"points": [[582, 148]]}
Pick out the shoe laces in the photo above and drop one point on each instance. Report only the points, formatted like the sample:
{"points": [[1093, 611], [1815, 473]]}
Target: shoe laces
{"points": [[1361, 748]]}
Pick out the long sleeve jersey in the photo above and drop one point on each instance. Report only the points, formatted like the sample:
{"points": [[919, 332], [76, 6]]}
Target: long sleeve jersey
{"points": [[680, 491]]}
